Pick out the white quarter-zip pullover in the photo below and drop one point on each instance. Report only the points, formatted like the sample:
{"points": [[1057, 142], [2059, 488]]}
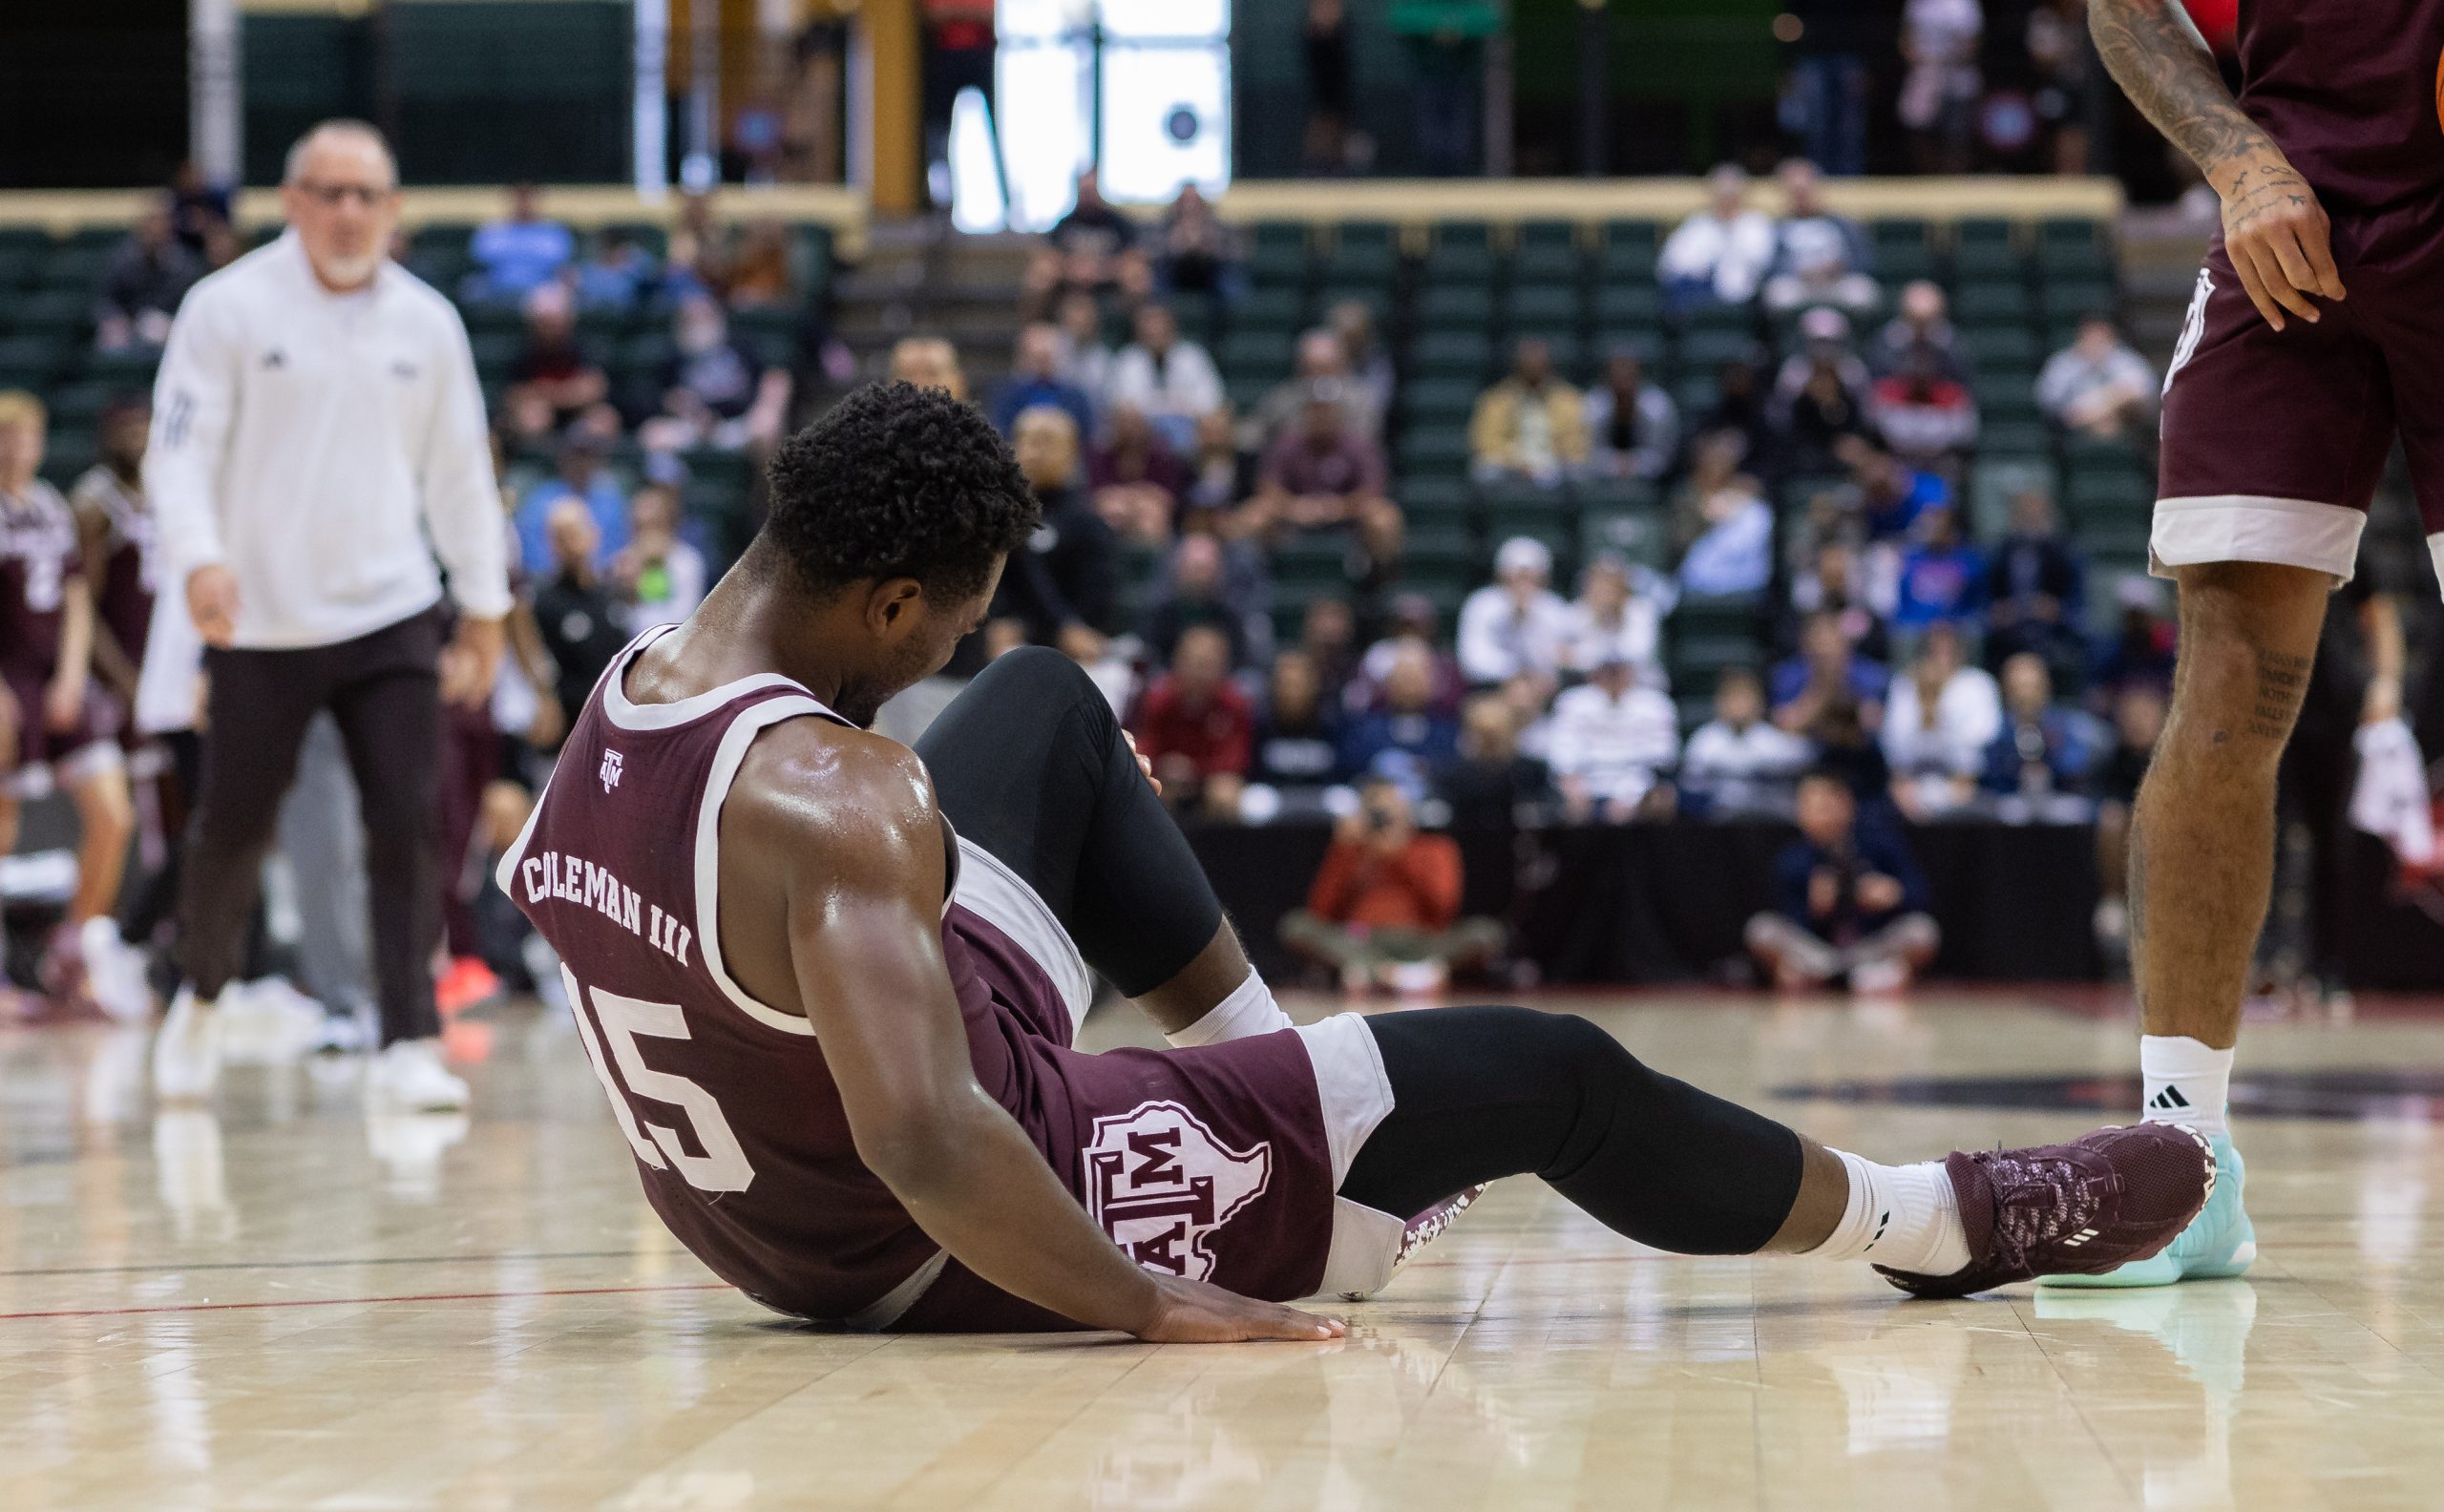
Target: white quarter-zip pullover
{"points": [[324, 448]]}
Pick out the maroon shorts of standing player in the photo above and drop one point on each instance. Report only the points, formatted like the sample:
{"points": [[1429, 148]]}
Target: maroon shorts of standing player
{"points": [[2274, 441], [88, 746]]}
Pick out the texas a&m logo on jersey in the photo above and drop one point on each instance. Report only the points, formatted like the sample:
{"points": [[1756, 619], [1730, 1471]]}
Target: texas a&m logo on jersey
{"points": [[1159, 1183], [610, 773]]}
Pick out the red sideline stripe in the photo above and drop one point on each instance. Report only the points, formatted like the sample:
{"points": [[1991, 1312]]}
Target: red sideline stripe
{"points": [[427, 1297]]}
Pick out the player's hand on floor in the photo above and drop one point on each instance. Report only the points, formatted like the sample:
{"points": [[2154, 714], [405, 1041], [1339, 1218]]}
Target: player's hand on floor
{"points": [[2277, 236], [1194, 1312]]}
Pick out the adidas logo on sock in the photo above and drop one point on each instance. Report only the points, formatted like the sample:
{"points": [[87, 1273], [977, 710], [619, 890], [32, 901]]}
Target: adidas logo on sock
{"points": [[2167, 1100]]}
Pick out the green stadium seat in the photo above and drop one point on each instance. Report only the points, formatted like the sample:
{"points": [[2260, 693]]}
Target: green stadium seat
{"points": [[1898, 234], [1456, 307], [1991, 303], [1627, 252], [2065, 302], [1363, 252], [1994, 348], [494, 350], [1724, 615], [1545, 309], [1548, 253], [1322, 560], [130, 369], [1451, 354], [1433, 451], [1246, 393], [1269, 309], [1633, 303], [75, 405], [1512, 506], [1439, 399], [20, 265], [32, 361], [1987, 263], [61, 313], [1706, 350], [1645, 341], [2013, 438], [1698, 662], [1440, 561], [1461, 250], [1432, 504], [1277, 237], [68, 451], [2095, 453], [1267, 354]]}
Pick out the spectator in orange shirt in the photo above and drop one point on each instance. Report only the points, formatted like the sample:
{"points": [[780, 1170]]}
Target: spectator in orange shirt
{"points": [[1196, 726], [1385, 908]]}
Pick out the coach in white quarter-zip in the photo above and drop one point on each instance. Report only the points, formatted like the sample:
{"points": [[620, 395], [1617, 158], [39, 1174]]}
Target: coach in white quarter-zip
{"points": [[318, 439]]}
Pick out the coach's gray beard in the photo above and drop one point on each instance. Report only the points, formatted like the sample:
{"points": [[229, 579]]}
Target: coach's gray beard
{"points": [[350, 273]]}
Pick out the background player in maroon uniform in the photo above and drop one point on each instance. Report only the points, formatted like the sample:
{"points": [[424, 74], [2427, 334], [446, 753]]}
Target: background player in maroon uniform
{"points": [[54, 717], [838, 1040], [115, 538], [2316, 336]]}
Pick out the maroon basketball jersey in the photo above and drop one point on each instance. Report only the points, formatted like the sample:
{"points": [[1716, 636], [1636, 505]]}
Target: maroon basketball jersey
{"points": [[726, 1104], [129, 574], [2347, 89], [37, 556]]}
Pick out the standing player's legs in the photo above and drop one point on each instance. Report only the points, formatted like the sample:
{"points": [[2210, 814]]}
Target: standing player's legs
{"points": [[2273, 443], [1029, 763]]}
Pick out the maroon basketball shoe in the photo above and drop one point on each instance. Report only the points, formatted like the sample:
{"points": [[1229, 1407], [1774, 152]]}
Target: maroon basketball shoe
{"points": [[2079, 1209]]}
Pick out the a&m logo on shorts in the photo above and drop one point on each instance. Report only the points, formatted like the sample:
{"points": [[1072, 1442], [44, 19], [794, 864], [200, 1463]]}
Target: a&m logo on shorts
{"points": [[1159, 1183], [610, 768]]}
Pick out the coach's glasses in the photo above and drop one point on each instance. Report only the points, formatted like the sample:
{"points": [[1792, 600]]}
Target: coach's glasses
{"points": [[330, 193]]}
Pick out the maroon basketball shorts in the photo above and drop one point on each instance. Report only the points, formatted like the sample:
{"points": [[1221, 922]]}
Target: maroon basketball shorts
{"points": [[48, 758], [2274, 441], [1221, 1163]]}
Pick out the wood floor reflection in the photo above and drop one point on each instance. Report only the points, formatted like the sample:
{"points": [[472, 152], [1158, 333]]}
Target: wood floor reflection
{"points": [[284, 1306]]}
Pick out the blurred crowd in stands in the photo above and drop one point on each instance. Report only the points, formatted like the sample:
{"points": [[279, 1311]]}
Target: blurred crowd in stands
{"points": [[1933, 672]]}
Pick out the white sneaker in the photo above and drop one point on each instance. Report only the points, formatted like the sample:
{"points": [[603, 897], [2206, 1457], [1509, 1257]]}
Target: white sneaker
{"points": [[409, 1077], [114, 972], [187, 1051]]}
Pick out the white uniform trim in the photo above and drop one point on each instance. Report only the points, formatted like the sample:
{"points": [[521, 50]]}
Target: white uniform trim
{"points": [[1001, 897], [2436, 552], [1350, 1084], [1356, 1097], [2257, 528], [741, 734]]}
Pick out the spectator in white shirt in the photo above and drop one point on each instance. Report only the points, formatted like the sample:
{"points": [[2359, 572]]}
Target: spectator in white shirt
{"points": [[1516, 623], [1167, 376], [1738, 763], [1617, 616], [1718, 255], [318, 438], [2097, 385], [1820, 258], [1612, 742], [1632, 426], [1939, 717]]}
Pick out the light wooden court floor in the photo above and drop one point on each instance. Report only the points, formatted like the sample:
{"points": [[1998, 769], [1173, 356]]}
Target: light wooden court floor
{"points": [[282, 1307]]}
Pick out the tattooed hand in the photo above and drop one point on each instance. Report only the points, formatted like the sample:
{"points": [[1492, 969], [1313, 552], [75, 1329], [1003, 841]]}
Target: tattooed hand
{"points": [[2276, 233]]}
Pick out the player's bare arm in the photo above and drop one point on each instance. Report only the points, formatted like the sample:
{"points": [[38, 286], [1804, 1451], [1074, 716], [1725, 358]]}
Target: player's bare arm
{"points": [[832, 907], [112, 662], [2274, 229]]}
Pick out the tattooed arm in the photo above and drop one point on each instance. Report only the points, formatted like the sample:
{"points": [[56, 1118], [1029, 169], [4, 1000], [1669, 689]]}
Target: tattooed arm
{"points": [[2273, 227]]}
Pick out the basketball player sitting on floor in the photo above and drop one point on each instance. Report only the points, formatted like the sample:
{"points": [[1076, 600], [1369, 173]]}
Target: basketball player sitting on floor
{"points": [[838, 1034]]}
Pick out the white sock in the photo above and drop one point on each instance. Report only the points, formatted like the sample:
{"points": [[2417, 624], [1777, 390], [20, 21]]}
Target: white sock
{"points": [[1906, 1217], [1249, 1011], [2186, 1081]]}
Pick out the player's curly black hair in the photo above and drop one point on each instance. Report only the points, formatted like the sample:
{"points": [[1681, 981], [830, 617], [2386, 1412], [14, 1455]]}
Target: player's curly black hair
{"points": [[899, 481]]}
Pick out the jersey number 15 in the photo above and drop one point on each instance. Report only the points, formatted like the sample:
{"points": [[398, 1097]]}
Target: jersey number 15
{"points": [[723, 1168]]}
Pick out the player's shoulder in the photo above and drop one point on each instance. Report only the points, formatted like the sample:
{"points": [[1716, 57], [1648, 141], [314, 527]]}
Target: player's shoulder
{"points": [[812, 788]]}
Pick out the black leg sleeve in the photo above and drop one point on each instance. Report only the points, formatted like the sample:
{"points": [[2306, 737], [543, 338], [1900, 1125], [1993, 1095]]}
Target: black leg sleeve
{"points": [[1029, 763], [1482, 1093]]}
